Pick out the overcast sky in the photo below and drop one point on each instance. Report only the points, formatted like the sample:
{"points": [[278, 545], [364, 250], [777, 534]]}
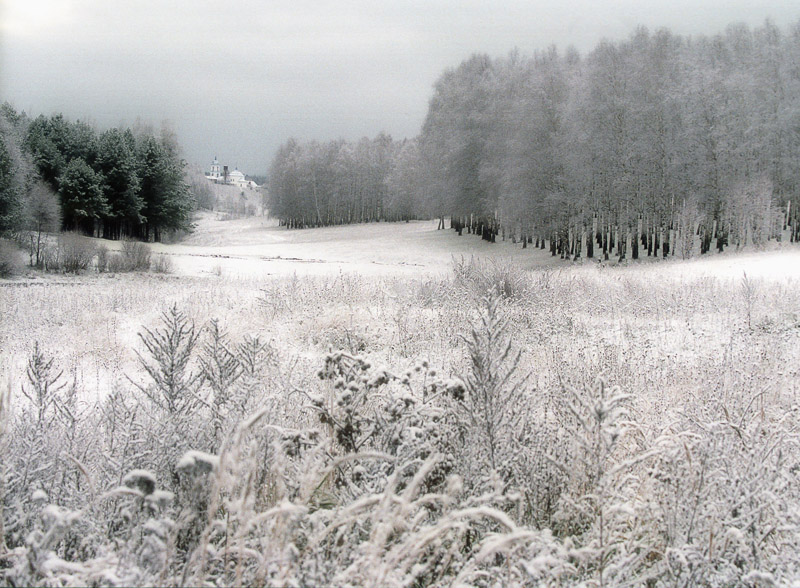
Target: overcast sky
{"points": [[236, 79]]}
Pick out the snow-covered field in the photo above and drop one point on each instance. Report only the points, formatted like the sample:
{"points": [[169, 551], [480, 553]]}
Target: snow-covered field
{"points": [[257, 247], [682, 468], [232, 262]]}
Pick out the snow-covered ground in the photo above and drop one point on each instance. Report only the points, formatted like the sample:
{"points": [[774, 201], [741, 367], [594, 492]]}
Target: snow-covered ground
{"points": [[777, 263], [227, 267], [258, 247], [703, 364]]}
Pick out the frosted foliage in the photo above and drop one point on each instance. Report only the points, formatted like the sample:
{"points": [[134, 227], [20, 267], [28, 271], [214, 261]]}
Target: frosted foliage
{"points": [[495, 428]]}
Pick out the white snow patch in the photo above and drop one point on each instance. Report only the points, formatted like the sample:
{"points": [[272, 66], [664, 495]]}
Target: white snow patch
{"points": [[198, 461]]}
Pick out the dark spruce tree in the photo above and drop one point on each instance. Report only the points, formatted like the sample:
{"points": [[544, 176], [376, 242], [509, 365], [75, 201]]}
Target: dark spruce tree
{"points": [[116, 160], [114, 184], [49, 141], [166, 198], [9, 194], [83, 202]]}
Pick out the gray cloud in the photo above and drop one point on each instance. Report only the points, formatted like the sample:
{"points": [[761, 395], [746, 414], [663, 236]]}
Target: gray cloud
{"points": [[238, 78]]}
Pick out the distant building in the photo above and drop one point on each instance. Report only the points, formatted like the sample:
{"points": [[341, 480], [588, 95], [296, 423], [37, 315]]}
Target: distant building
{"points": [[236, 177], [215, 170], [219, 174]]}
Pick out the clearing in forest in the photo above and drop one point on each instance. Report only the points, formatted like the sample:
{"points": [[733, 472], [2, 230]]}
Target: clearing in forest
{"points": [[258, 247]]}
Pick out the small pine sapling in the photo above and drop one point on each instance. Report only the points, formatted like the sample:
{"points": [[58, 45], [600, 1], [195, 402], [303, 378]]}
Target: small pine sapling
{"points": [[174, 387], [44, 385], [220, 366], [252, 353], [601, 504], [255, 358], [489, 399], [221, 369]]}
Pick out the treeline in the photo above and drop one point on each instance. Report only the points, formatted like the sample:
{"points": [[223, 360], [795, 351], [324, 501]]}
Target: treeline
{"points": [[318, 184], [115, 183], [655, 144]]}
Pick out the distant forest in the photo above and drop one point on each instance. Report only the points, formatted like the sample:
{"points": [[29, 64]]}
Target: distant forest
{"points": [[653, 144], [62, 175]]}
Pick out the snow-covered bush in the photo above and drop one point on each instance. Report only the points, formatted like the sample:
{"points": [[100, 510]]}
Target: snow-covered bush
{"points": [[162, 264], [480, 276], [135, 255], [75, 253], [10, 259], [173, 385]]}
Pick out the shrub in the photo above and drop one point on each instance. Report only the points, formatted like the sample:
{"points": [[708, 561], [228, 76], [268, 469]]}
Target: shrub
{"points": [[75, 252], [162, 264], [117, 263], [9, 259], [480, 277], [50, 257], [135, 255], [102, 258], [173, 385]]}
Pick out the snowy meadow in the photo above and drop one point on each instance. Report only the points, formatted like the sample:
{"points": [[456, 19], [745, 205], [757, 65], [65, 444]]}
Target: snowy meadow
{"points": [[499, 421]]}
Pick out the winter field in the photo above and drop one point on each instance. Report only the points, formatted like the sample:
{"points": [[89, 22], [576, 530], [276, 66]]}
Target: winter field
{"points": [[392, 405], [256, 247]]}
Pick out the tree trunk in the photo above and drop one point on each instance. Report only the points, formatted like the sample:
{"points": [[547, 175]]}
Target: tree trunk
{"points": [[590, 245]]}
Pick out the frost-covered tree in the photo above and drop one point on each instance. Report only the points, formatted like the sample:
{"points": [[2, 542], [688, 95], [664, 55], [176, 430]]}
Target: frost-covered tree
{"points": [[43, 216], [316, 184], [611, 144], [165, 196]]}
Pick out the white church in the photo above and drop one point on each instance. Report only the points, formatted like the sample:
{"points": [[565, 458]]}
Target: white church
{"points": [[219, 174]]}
